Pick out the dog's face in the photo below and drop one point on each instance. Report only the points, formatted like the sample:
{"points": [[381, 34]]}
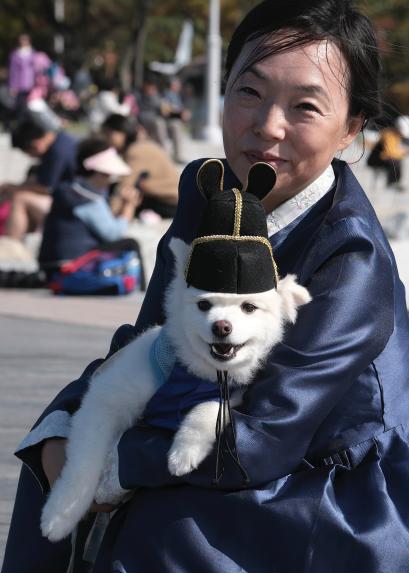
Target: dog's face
{"points": [[233, 332]]}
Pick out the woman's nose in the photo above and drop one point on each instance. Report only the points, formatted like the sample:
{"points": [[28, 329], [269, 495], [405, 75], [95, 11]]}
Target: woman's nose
{"points": [[270, 123]]}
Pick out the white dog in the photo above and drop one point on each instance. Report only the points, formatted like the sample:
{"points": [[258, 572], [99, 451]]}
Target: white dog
{"points": [[209, 332]]}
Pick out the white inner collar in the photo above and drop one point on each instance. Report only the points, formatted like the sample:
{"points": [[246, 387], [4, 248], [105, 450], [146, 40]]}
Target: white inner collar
{"points": [[288, 211]]}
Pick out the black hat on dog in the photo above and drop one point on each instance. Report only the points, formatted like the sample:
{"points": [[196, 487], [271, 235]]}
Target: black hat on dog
{"points": [[232, 253]]}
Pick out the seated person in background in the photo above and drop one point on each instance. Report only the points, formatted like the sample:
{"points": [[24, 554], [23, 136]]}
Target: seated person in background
{"points": [[80, 218], [106, 102], [152, 171], [31, 200]]}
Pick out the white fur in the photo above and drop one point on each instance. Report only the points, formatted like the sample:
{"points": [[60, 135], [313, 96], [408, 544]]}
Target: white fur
{"points": [[195, 438], [121, 387], [112, 404]]}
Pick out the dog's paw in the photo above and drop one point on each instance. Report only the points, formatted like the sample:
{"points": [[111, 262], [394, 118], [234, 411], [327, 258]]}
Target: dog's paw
{"points": [[183, 460], [58, 522], [56, 527], [61, 513]]}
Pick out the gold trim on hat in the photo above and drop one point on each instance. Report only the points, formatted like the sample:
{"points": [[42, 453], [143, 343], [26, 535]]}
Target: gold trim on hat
{"points": [[238, 238], [238, 208], [200, 169]]}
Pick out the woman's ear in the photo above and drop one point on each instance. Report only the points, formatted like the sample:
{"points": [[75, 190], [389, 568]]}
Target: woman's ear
{"points": [[354, 126], [210, 177]]}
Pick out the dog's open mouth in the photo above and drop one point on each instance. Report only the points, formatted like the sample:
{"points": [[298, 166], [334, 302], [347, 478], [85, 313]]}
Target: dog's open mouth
{"points": [[224, 351]]}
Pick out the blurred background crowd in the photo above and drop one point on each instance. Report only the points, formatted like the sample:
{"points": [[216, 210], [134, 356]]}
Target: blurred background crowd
{"points": [[124, 89]]}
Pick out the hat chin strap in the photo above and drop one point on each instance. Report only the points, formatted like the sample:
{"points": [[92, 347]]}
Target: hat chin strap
{"points": [[222, 435]]}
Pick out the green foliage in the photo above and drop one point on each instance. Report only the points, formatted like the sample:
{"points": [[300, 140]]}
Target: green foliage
{"points": [[391, 20]]}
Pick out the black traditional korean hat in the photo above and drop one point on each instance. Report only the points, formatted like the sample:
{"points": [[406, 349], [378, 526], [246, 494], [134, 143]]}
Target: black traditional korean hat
{"points": [[232, 253]]}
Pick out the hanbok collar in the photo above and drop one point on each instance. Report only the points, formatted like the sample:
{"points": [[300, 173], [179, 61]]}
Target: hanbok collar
{"points": [[290, 210]]}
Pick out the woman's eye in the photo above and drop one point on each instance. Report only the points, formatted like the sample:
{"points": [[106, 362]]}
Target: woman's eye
{"points": [[306, 106], [247, 90], [248, 308], [204, 305]]}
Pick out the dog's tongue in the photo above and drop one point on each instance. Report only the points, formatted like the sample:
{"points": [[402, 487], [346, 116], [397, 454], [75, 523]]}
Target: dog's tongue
{"points": [[223, 348]]}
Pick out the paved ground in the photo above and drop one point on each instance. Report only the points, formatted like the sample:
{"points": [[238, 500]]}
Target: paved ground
{"points": [[40, 351], [37, 357], [46, 341]]}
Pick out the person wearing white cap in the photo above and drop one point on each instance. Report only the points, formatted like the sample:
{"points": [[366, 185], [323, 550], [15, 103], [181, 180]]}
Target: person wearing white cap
{"points": [[80, 218]]}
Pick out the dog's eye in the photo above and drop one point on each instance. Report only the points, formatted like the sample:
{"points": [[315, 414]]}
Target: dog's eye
{"points": [[204, 305], [248, 308]]}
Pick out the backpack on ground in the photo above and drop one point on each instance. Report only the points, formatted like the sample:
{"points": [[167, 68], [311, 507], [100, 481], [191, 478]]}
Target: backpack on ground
{"points": [[100, 272]]}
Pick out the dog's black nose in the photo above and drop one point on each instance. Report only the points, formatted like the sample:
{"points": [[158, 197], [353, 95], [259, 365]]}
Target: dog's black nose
{"points": [[222, 328]]}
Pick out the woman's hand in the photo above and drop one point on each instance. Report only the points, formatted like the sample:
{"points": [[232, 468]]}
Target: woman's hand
{"points": [[131, 198], [53, 458]]}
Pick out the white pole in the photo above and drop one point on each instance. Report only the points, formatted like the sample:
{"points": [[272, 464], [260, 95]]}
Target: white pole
{"points": [[59, 13], [212, 130]]}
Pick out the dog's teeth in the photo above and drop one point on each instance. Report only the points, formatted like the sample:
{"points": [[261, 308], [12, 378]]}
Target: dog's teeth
{"points": [[226, 352]]}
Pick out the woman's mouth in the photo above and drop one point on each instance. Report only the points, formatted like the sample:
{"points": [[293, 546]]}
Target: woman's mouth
{"points": [[224, 351], [256, 156]]}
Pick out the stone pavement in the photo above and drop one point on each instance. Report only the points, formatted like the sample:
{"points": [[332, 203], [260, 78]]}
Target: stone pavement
{"points": [[39, 355], [46, 341]]}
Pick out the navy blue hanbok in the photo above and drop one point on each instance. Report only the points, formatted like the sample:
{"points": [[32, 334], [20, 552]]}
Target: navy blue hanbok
{"points": [[322, 432]]}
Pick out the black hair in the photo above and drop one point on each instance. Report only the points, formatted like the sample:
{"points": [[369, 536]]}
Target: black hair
{"points": [[87, 148], [126, 125], [25, 132], [306, 21]]}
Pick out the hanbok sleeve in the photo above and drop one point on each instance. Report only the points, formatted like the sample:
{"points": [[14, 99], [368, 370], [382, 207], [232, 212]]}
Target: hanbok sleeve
{"points": [[334, 340]]}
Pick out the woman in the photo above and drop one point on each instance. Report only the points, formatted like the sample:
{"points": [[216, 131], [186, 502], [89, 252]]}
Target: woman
{"points": [[152, 171], [322, 430], [81, 224], [22, 71], [80, 218]]}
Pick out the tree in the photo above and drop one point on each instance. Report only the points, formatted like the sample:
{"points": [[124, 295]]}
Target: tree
{"points": [[143, 30], [391, 20]]}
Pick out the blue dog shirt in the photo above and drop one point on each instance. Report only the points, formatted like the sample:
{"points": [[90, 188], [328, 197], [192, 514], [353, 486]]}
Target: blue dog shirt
{"points": [[178, 390]]}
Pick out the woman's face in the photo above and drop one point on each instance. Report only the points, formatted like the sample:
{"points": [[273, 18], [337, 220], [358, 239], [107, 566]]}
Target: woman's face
{"points": [[290, 110]]}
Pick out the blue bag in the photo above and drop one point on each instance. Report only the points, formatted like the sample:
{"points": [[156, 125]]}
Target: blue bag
{"points": [[100, 272]]}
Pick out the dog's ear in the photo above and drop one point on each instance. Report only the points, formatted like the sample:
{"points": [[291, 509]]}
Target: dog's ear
{"points": [[180, 251], [292, 296], [210, 177], [261, 179]]}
